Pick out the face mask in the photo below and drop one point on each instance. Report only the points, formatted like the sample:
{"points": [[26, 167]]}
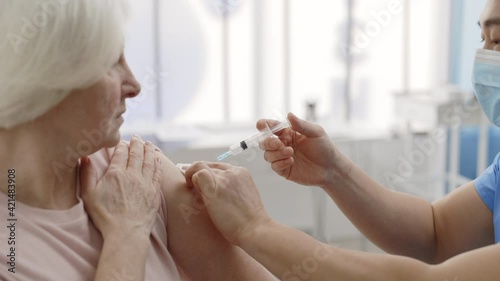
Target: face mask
{"points": [[486, 82]]}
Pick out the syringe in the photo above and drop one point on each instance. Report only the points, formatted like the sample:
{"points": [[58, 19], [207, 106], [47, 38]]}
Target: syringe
{"points": [[253, 140]]}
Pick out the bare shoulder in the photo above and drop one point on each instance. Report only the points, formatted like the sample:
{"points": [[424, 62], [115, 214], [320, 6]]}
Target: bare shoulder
{"points": [[173, 184]]}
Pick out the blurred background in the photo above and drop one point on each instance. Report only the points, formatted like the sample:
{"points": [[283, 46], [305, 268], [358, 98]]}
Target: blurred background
{"points": [[390, 81]]}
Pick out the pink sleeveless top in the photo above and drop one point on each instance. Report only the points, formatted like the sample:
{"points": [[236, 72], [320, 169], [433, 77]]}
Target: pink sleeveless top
{"points": [[65, 245]]}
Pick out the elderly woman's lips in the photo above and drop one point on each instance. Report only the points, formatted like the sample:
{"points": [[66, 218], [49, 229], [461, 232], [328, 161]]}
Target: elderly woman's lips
{"points": [[120, 115]]}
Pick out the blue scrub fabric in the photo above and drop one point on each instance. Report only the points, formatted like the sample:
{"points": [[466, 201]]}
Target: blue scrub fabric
{"points": [[487, 186]]}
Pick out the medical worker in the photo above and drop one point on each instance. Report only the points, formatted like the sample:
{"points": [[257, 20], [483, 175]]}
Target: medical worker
{"points": [[455, 238]]}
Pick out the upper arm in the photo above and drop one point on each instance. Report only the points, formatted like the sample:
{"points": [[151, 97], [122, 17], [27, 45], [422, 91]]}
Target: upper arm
{"points": [[462, 222], [194, 242]]}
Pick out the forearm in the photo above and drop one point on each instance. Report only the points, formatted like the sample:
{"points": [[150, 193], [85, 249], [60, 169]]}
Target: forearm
{"points": [[398, 223], [293, 255], [123, 257]]}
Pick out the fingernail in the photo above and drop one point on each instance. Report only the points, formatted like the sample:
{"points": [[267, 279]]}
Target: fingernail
{"points": [[149, 143], [137, 137]]}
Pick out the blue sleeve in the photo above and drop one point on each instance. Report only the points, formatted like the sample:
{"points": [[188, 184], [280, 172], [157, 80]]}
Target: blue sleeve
{"points": [[486, 184]]}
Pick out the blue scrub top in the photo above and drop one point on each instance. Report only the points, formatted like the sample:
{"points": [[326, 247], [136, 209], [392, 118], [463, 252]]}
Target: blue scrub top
{"points": [[488, 187]]}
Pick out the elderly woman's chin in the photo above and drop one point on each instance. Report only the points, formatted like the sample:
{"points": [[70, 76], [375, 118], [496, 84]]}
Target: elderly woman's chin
{"points": [[113, 138], [108, 137]]}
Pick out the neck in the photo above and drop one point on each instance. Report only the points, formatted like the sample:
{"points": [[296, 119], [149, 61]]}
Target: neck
{"points": [[45, 171]]}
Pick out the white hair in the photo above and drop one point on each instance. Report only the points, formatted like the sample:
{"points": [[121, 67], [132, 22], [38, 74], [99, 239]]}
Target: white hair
{"points": [[52, 48]]}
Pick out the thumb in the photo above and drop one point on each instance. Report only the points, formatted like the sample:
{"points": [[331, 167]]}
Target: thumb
{"points": [[304, 127], [88, 175], [205, 182]]}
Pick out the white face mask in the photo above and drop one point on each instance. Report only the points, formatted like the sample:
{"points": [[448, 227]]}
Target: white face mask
{"points": [[486, 82]]}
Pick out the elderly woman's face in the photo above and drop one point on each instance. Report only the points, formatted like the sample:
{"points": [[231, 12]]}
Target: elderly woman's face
{"points": [[96, 112], [490, 25]]}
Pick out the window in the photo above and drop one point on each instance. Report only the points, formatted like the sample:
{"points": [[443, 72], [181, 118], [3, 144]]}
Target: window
{"points": [[233, 62]]}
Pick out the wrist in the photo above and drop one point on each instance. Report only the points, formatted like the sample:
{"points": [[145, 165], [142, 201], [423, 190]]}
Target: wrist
{"points": [[140, 237], [338, 172], [250, 237]]}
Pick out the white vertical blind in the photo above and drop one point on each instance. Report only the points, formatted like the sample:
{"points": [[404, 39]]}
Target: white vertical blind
{"points": [[317, 44], [429, 43], [139, 54], [241, 62], [378, 68]]}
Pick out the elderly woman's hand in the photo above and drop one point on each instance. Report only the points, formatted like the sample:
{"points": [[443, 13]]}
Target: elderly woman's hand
{"points": [[127, 198], [231, 197]]}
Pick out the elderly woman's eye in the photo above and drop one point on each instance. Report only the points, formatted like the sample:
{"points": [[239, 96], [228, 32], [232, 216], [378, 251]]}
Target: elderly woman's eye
{"points": [[118, 62]]}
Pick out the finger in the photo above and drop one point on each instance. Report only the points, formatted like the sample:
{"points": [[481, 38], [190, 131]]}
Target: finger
{"points": [[88, 176], [304, 127], [281, 166], [204, 181], [120, 156], [264, 123], [148, 166], [278, 155], [136, 154], [158, 171], [219, 165], [193, 169], [271, 143]]}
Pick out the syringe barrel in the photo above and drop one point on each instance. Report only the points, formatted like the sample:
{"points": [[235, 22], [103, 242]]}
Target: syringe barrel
{"points": [[255, 139], [282, 125], [235, 149]]}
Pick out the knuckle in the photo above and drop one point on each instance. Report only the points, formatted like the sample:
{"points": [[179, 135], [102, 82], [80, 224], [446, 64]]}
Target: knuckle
{"points": [[276, 168], [134, 155], [149, 148], [198, 165], [266, 156], [241, 171], [134, 180], [115, 172], [148, 166], [120, 150], [123, 145], [157, 180], [266, 144]]}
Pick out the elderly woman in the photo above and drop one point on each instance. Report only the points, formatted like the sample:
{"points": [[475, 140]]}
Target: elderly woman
{"points": [[75, 202]]}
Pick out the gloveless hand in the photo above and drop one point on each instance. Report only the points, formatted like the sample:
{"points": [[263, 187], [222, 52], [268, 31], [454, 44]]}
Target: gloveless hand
{"points": [[128, 196], [231, 197]]}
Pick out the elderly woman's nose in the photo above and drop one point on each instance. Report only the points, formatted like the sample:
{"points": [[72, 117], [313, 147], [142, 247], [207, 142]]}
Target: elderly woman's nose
{"points": [[132, 87]]}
